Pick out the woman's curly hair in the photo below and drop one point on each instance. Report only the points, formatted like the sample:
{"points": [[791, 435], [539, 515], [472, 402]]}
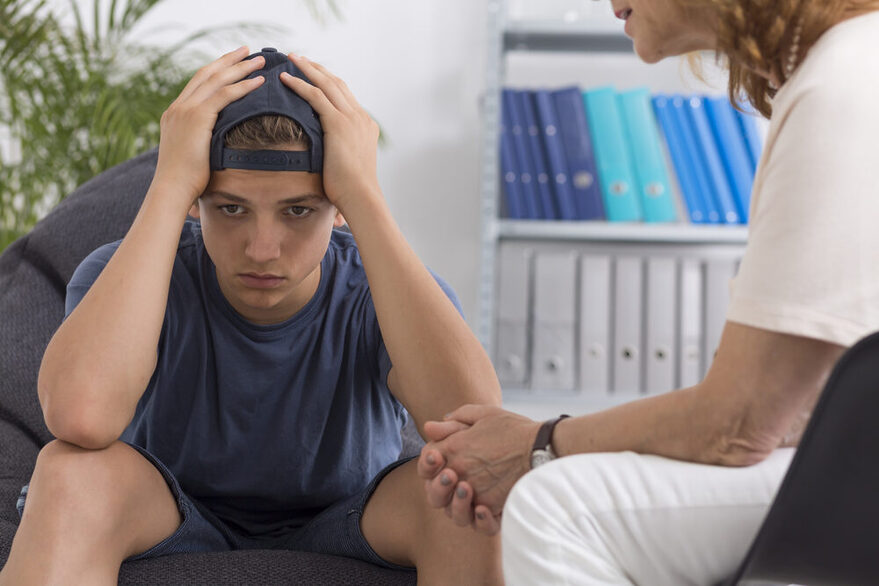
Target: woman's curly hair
{"points": [[755, 35]]}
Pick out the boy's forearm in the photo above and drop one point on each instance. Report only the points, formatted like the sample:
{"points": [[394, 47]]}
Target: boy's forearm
{"points": [[100, 360], [438, 364]]}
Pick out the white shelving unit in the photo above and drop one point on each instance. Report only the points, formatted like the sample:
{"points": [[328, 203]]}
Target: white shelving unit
{"points": [[601, 37]]}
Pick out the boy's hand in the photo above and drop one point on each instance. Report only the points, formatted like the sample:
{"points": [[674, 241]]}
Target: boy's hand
{"points": [[187, 124], [350, 134]]}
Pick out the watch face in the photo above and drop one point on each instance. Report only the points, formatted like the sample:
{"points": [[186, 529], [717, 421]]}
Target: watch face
{"points": [[539, 457]]}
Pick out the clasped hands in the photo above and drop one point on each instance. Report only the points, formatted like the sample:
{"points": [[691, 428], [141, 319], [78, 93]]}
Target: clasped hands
{"points": [[472, 460]]}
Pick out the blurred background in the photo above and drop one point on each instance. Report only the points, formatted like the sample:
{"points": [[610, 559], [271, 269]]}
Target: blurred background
{"points": [[85, 81]]}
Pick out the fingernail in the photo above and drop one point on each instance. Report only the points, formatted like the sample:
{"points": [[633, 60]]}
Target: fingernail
{"points": [[445, 480], [461, 492], [480, 516], [431, 460]]}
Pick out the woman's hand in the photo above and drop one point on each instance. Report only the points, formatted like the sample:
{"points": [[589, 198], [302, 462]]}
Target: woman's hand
{"points": [[187, 125], [350, 134]]}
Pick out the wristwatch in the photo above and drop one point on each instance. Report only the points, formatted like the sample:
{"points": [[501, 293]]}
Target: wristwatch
{"points": [[542, 452]]}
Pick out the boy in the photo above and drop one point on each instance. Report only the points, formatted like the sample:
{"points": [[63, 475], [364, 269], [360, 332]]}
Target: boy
{"points": [[255, 366]]}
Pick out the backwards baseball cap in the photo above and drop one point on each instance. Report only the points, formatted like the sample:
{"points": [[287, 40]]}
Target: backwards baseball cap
{"points": [[272, 97]]}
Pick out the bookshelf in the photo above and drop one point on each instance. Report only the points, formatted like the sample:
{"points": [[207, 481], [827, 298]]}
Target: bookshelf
{"points": [[569, 42]]}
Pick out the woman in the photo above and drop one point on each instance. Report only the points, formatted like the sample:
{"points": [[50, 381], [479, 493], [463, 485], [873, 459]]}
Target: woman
{"points": [[699, 467]]}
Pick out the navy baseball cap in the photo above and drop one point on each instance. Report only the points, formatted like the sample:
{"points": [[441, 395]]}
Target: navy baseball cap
{"points": [[272, 97]]}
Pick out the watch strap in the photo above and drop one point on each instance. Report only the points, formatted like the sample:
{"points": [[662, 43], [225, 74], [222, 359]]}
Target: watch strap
{"points": [[544, 434]]}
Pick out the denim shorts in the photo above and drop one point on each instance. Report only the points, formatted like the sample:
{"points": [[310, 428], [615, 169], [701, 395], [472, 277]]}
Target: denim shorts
{"points": [[334, 531]]}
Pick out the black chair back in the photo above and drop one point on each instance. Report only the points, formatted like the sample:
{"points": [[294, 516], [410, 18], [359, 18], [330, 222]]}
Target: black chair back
{"points": [[823, 527]]}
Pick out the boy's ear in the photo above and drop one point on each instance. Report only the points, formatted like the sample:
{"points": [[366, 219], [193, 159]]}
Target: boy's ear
{"points": [[339, 221]]}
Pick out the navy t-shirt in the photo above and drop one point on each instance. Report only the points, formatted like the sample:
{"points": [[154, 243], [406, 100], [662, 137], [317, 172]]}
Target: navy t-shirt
{"points": [[266, 425]]}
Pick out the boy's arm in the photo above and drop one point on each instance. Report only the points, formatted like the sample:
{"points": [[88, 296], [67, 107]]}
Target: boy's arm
{"points": [[438, 364], [99, 362]]}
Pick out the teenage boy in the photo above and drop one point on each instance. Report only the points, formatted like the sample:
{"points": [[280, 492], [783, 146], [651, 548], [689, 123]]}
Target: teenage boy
{"points": [[256, 367]]}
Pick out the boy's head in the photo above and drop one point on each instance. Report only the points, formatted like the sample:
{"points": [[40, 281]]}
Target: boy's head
{"points": [[266, 222]]}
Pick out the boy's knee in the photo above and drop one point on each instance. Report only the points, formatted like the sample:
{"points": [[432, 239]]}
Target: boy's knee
{"points": [[70, 478]]}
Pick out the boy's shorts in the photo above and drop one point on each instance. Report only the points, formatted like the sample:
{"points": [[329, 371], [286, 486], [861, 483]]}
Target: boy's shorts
{"points": [[334, 531]]}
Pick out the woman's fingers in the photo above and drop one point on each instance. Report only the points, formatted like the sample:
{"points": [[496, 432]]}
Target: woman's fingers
{"points": [[462, 505], [485, 522], [439, 489]]}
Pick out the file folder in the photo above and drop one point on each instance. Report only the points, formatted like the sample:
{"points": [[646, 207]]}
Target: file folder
{"points": [[690, 355], [595, 313], [579, 153], [653, 185], [711, 159], [662, 317], [555, 286], [681, 163], [512, 187], [628, 312], [733, 152], [511, 343], [698, 168], [718, 274], [518, 134], [555, 155], [545, 194], [615, 173]]}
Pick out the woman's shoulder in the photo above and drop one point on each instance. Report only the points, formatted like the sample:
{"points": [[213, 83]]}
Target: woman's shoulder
{"points": [[843, 60]]}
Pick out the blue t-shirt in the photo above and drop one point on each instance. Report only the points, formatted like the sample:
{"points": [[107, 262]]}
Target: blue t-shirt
{"points": [[266, 425]]}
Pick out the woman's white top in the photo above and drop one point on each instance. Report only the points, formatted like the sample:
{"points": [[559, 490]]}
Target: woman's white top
{"points": [[811, 266]]}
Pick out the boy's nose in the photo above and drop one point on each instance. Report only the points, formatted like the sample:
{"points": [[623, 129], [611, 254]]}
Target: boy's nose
{"points": [[264, 245]]}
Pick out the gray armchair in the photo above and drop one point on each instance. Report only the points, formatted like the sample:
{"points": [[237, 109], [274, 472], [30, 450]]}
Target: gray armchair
{"points": [[33, 274]]}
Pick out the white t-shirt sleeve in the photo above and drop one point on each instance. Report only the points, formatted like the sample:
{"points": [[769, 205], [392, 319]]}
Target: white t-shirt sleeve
{"points": [[811, 267]]}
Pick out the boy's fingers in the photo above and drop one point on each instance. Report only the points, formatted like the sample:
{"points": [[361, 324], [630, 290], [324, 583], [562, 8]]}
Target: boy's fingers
{"points": [[484, 522], [205, 72], [225, 96], [325, 81], [312, 94], [225, 77], [462, 505]]}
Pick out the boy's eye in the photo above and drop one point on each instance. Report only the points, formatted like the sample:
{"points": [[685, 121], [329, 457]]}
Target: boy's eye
{"points": [[298, 211], [231, 209]]}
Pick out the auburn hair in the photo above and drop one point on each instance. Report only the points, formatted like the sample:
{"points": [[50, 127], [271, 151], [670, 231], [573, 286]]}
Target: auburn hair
{"points": [[269, 131], [755, 35]]}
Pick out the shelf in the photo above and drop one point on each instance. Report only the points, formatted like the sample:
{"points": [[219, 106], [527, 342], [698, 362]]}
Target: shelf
{"points": [[553, 36], [546, 405], [617, 232]]}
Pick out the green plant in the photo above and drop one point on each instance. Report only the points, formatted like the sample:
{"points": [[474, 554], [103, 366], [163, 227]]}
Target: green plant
{"points": [[78, 99]]}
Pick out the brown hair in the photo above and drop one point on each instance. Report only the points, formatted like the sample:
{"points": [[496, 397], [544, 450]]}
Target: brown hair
{"points": [[755, 35], [269, 131]]}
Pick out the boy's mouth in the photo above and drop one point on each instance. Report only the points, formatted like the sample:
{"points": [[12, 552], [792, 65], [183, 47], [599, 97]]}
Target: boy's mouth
{"points": [[261, 280], [624, 14]]}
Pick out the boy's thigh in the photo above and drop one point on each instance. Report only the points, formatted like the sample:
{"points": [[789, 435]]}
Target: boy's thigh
{"points": [[357, 527]]}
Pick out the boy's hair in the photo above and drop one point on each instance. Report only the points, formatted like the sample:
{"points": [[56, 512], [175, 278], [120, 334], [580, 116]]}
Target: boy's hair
{"points": [[269, 131]]}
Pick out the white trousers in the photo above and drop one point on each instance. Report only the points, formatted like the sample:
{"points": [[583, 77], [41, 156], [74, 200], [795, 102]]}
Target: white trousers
{"points": [[625, 518]]}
